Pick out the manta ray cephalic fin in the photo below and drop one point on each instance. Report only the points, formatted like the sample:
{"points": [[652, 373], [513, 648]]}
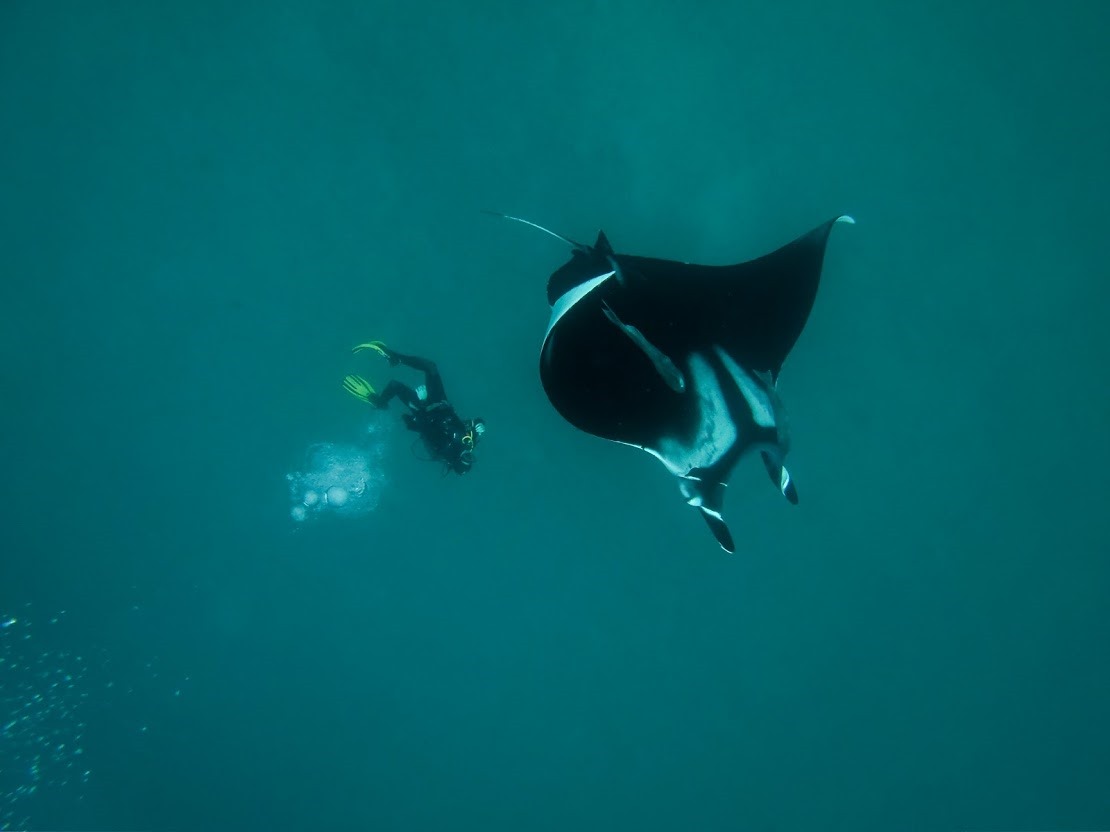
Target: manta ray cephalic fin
{"points": [[663, 364]]}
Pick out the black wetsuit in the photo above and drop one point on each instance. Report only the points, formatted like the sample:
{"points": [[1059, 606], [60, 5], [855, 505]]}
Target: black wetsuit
{"points": [[432, 416]]}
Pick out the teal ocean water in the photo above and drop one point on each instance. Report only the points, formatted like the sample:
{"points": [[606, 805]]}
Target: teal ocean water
{"points": [[204, 206]]}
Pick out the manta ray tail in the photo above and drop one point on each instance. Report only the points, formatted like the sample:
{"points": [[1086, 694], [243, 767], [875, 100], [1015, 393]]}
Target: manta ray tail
{"points": [[567, 240], [708, 497]]}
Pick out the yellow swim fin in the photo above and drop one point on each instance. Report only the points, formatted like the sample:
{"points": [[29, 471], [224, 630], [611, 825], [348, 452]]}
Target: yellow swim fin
{"points": [[360, 388], [377, 346]]}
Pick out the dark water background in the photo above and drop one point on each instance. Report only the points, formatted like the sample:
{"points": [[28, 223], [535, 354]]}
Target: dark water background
{"points": [[204, 205]]}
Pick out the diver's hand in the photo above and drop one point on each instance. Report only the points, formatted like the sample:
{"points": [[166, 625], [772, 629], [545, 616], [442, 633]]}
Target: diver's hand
{"points": [[381, 349]]}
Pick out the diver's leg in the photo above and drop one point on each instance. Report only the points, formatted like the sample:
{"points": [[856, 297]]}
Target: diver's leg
{"points": [[432, 380], [399, 390]]}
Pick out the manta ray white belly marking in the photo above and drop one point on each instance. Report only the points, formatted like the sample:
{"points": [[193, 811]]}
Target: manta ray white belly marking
{"points": [[753, 389], [716, 430]]}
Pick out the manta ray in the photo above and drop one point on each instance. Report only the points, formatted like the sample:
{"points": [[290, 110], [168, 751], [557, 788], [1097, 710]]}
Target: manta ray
{"points": [[681, 360]]}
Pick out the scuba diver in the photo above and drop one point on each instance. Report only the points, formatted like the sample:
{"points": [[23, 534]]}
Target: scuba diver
{"points": [[447, 437]]}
